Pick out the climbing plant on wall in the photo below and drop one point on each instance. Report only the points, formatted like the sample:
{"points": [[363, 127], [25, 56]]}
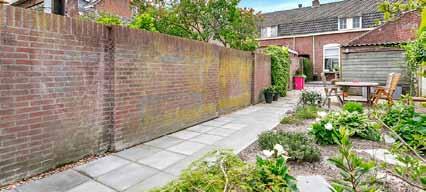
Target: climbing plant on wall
{"points": [[280, 68]]}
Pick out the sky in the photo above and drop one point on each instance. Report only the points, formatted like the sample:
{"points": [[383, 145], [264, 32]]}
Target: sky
{"points": [[277, 5]]}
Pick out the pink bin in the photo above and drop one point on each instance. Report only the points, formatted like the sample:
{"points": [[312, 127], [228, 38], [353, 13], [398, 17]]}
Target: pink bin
{"points": [[299, 82]]}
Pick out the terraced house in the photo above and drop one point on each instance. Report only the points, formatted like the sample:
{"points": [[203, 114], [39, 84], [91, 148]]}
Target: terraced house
{"points": [[318, 31]]}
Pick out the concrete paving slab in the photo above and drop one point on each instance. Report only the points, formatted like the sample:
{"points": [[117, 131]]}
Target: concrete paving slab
{"points": [[215, 123], [187, 147], [201, 128], [382, 155], [162, 159], [55, 183], [157, 180], [221, 132], [185, 135], [123, 178], [138, 152], [164, 142], [206, 139], [102, 166], [91, 186], [236, 126], [313, 183]]}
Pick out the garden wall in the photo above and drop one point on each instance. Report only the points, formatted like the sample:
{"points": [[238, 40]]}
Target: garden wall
{"points": [[71, 88]]}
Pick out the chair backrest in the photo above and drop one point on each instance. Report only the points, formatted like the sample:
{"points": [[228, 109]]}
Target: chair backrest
{"points": [[394, 83], [323, 79], [389, 81]]}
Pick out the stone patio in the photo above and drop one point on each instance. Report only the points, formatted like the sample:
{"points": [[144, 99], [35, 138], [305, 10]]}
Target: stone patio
{"points": [[157, 162]]}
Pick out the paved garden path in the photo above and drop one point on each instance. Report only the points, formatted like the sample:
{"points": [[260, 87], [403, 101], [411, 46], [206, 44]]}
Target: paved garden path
{"points": [[155, 163]]}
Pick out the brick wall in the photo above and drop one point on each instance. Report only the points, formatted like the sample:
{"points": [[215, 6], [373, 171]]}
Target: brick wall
{"points": [[54, 97], [235, 73], [261, 78], [116, 7], [71, 88]]}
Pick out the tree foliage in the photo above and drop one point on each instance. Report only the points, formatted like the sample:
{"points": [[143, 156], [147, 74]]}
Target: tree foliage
{"points": [[391, 8], [214, 20], [103, 18]]}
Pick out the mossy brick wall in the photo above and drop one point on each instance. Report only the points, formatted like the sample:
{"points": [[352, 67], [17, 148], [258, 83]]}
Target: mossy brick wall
{"points": [[54, 91], [71, 88], [162, 84]]}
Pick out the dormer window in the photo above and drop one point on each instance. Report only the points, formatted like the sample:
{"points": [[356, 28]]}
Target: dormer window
{"points": [[346, 23], [269, 32]]}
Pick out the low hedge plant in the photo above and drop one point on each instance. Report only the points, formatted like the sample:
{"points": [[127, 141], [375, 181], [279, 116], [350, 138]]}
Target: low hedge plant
{"points": [[299, 146]]}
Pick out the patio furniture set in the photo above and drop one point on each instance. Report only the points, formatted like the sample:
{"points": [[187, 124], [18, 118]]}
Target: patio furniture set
{"points": [[333, 89]]}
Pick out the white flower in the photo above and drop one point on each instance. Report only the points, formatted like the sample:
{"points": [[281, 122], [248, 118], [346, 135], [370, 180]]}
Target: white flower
{"points": [[279, 148], [309, 128], [328, 126], [267, 153], [322, 114], [317, 119]]}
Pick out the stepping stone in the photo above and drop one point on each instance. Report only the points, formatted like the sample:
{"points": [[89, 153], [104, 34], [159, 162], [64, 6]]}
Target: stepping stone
{"points": [[58, 182], [388, 139], [382, 155], [164, 142], [138, 152], [162, 159], [185, 135], [315, 183], [200, 128], [91, 186], [206, 139], [187, 148], [102, 166], [157, 180], [127, 176]]}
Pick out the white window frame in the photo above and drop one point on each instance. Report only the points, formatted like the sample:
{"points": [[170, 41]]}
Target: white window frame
{"points": [[360, 22], [330, 46], [267, 32], [338, 23]]}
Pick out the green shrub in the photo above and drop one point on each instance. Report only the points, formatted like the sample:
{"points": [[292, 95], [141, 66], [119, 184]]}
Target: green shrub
{"points": [[308, 69], [310, 98], [397, 113], [325, 131], [223, 169], [353, 106], [299, 146], [103, 18], [413, 132], [280, 68], [306, 112], [291, 119], [356, 173]]}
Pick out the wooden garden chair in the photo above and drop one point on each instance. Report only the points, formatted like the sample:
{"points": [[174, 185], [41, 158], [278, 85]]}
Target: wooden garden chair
{"points": [[388, 90], [330, 90]]}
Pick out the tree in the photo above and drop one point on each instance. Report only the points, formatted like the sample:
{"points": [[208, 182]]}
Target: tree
{"points": [[392, 8], [103, 18], [214, 20]]}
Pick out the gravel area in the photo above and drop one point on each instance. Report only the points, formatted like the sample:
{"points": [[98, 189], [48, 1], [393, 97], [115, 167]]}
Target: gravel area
{"points": [[323, 167]]}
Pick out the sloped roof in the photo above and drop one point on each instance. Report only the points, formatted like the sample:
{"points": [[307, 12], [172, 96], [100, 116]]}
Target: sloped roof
{"points": [[401, 30], [346, 8]]}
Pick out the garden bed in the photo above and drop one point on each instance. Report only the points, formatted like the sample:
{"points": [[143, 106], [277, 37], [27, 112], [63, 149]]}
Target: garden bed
{"points": [[323, 167]]}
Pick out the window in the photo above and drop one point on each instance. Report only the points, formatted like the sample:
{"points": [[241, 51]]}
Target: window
{"points": [[350, 23], [331, 57], [356, 22], [269, 32], [342, 23]]}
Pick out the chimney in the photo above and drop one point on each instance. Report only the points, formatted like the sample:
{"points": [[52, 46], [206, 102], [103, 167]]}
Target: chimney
{"points": [[300, 5], [315, 3]]}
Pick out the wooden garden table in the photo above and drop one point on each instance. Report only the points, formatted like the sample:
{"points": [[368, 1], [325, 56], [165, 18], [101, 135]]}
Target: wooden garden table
{"points": [[368, 85]]}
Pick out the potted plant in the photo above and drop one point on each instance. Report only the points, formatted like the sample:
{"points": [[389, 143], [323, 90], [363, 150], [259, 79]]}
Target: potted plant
{"points": [[276, 94], [269, 94]]}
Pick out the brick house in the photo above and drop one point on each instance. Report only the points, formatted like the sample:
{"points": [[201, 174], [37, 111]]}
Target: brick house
{"points": [[318, 31], [78, 7]]}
